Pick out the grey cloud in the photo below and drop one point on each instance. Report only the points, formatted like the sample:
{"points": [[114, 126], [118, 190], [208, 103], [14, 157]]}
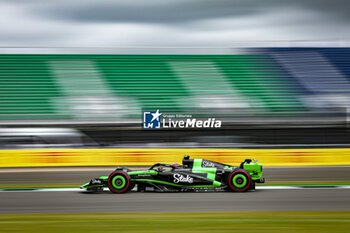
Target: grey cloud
{"points": [[169, 23], [154, 11], [148, 13]]}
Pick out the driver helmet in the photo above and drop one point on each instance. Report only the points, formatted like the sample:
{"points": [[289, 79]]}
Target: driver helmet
{"points": [[175, 164]]}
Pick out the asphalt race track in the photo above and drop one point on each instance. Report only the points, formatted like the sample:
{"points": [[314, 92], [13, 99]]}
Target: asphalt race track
{"points": [[260, 200], [82, 175], [335, 199]]}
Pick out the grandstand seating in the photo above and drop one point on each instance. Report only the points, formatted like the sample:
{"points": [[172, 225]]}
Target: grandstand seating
{"points": [[60, 86]]}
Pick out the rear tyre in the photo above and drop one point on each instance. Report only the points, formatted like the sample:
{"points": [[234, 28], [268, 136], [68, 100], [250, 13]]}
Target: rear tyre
{"points": [[118, 182], [239, 181]]}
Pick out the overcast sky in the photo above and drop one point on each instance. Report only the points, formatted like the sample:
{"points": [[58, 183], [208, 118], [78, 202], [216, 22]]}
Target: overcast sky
{"points": [[132, 23]]}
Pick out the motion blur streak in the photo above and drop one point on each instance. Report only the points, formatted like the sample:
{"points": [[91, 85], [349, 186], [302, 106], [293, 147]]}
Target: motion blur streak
{"points": [[67, 86], [286, 107], [106, 202], [91, 92], [266, 222], [144, 156]]}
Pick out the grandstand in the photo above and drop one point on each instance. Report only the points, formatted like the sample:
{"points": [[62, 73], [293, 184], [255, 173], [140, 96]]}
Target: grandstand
{"points": [[71, 86]]}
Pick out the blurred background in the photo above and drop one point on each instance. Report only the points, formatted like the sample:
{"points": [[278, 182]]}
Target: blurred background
{"points": [[76, 76], [276, 73], [273, 97]]}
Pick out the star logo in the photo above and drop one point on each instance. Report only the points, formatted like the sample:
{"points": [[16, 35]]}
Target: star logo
{"points": [[156, 115]]}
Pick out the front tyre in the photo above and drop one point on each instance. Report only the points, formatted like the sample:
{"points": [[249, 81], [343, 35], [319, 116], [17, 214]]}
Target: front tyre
{"points": [[118, 182], [239, 181]]}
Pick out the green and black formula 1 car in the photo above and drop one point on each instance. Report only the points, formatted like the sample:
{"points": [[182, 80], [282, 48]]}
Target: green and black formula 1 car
{"points": [[193, 175]]}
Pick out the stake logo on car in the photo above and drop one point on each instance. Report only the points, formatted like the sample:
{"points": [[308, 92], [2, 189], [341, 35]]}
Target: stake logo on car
{"points": [[207, 164], [180, 178]]}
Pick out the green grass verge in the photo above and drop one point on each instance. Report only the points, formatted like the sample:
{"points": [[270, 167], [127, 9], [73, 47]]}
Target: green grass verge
{"points": [[179, 222]]}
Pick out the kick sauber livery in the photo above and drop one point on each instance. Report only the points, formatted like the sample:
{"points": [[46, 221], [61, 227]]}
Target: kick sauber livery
{"points": [[193, 175]]}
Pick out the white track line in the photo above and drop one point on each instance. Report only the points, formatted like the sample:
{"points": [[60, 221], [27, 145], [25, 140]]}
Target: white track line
{"points": [[106, 189]]}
